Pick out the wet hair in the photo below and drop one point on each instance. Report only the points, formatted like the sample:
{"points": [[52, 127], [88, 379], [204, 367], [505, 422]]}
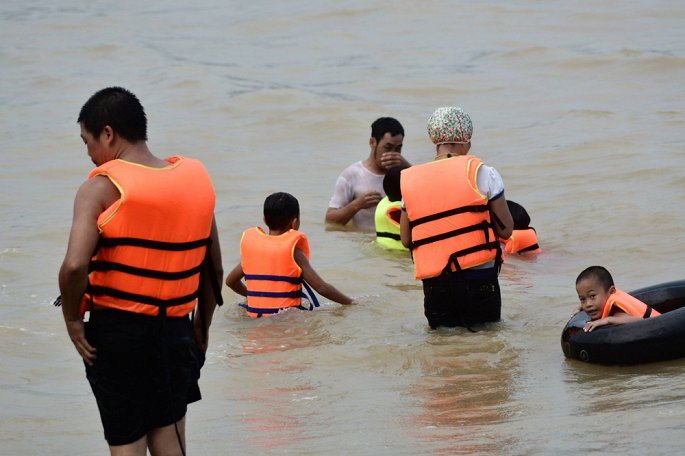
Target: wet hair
{"points": [[280, 209], [519, 214], [384, 125], [118, 108], [391, 183], [598, 272]]}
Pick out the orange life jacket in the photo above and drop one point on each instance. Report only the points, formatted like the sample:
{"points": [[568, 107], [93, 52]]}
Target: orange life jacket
{"points": [[522, 241], [153, 240], [628, 304], [448, 216], [272, 276]]}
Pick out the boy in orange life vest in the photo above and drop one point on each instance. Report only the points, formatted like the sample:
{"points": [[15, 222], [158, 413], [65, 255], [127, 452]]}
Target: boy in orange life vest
{"points": [[275, 264], [524, 238], [604, 303]]}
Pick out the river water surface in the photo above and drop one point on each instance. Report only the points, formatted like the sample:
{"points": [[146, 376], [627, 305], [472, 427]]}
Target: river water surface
{"points": [[579, 105]]}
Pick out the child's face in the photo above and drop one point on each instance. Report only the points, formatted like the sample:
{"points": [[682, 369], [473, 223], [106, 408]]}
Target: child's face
{"points": [[593, 297]]}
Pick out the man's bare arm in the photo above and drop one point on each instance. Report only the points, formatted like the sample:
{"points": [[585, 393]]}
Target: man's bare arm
{"points": [[92, 198], [344, 214]]}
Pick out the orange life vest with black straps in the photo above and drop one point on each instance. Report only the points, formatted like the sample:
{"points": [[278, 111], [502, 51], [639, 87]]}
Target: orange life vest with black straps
{"points": [[153, 240], [448, 216], [272, 276], [522, 241], [628, 304]]}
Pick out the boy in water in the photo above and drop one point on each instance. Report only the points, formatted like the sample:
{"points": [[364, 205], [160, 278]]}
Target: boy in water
{"points": [[604, 303], [524, 238], [275, 264]]}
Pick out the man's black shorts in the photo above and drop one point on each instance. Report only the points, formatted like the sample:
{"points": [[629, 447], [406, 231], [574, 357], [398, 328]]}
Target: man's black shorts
{"points": [[462, 298], [145, 373]]}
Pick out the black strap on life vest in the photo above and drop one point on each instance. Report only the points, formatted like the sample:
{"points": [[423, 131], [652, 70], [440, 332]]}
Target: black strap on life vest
{"points": [[388, 235], [448, 213], [530, 247], [484, 226], [149, 244], [648, 312], [449, 234], [97, 265], [96, 290], [311, 297]]}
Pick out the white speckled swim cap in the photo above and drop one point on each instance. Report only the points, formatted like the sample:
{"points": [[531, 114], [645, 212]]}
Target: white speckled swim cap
{"points": [[449, 125]]}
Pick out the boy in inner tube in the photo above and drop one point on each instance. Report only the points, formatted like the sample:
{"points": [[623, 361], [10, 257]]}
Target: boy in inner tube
{"points": [[604, 303]]}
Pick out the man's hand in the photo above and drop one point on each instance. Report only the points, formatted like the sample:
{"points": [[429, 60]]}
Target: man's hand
{"points": [[201, 340], [77, 334], [368, 199], [392, 159]]}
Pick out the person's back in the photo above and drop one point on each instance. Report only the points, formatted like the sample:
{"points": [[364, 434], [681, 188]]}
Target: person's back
{"points": [[152, 222], [272, 276], [276, 265]]}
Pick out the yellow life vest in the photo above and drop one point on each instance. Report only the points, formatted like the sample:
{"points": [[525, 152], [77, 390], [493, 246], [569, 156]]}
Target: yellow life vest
{"points": [[387, 220], [448, 216], [153, 240]]}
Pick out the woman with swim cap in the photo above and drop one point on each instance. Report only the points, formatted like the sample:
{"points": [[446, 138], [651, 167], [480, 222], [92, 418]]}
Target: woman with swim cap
{"points": [[454, 214]]}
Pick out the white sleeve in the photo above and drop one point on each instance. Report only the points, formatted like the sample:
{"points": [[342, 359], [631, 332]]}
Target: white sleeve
{"points": [[343, 194], [490, 182]]}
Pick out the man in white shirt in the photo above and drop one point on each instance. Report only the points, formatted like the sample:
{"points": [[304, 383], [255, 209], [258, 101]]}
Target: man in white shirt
{"points": [[359, 187]]}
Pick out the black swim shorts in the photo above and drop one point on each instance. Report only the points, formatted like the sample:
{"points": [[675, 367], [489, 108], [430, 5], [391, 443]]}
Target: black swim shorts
{"points": [[145, 373], [462, 298]]}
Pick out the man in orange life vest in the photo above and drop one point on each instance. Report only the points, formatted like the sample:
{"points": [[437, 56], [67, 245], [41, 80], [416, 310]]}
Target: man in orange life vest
{"points": [[454, 214], [604, 303], [276, 264], [143, 253]]}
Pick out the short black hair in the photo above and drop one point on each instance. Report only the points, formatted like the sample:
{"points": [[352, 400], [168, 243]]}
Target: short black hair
{"points": [[598, 272], [391, 183], [519, 214], [280, 209], [384, 125], [118, 108]]}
